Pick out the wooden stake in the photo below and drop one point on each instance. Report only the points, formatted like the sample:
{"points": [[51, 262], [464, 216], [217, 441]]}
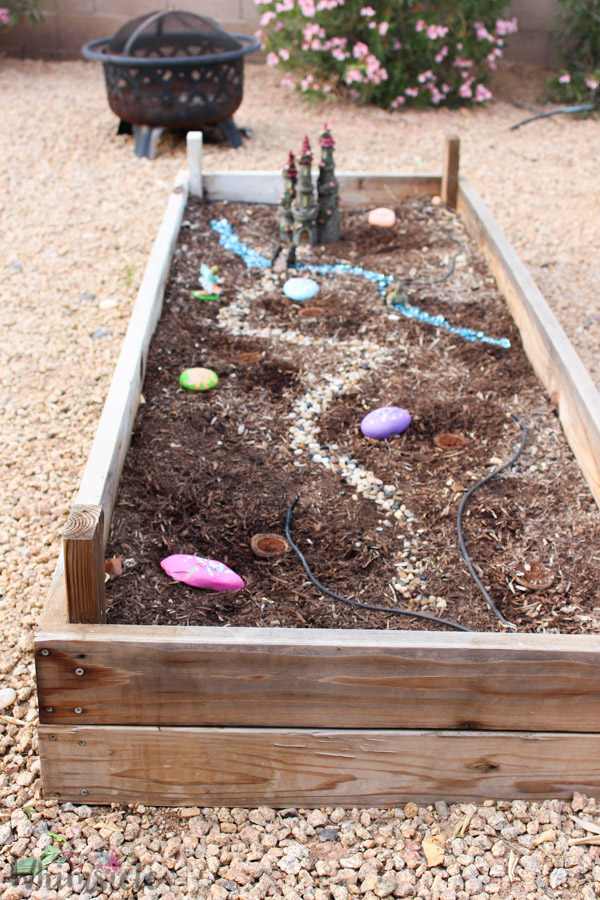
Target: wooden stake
{"points": [[450, 173], [83, 547], [194, 155]]}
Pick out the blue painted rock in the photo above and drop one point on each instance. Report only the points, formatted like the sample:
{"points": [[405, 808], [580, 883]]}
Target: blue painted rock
{"points": [[198, 379], [382, 423], [300, 289], [202, 573]]}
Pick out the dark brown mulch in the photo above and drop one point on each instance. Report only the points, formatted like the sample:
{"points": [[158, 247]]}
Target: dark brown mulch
{"points": [[206, 472]]}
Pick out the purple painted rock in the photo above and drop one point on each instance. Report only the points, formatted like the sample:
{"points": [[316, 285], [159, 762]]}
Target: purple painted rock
{"points": [[202, 573], [382, 423]]}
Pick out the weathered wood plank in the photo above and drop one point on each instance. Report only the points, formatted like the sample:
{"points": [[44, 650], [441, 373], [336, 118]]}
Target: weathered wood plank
{"points": [[550, 352], [54, 613], [355, 189], [139, 675], [294, 767], [83, 551], [105, 462], [450, 172], [194, 156]]}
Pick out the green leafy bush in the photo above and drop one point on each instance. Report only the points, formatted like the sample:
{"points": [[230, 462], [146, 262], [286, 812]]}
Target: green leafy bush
{"points": [[389, 52], [16, 10], [577, 28]]}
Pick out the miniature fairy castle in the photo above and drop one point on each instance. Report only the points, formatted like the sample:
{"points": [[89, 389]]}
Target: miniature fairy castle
{"points": [[328, 221], [286, 222], [302, 218]]}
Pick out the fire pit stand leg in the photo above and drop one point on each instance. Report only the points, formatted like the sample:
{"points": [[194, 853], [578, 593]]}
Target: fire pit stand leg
{"points": [[230, 133], [145, 140]]}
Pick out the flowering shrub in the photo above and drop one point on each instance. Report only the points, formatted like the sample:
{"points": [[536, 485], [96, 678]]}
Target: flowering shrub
{"points": [[389, 53], [577, 29], [15, 10]]}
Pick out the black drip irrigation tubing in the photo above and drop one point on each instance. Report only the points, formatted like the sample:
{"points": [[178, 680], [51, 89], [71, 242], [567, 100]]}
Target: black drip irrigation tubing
{"points": [[386, 609], [288, 520], [587, 107], [461, 540]]}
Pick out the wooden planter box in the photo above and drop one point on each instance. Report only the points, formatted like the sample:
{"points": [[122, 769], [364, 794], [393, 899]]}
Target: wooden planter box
{"points": [[311, 717]]}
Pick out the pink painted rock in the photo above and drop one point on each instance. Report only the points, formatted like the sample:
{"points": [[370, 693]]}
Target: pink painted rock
{"points": [[383, 217], [382, 423], [202, 573]]}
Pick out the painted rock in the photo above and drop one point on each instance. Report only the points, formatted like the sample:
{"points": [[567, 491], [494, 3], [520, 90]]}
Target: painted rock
{"points": [[300, 289], [198, 379], [7, 697], [383, 217], [382, 423], [202, 573]]}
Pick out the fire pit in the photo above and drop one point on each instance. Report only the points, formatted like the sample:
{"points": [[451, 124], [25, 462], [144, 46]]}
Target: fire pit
{"points": [[173, 69]]}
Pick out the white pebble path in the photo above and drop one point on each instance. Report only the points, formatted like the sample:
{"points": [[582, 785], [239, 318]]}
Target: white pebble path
{"points": [[409, 578]]}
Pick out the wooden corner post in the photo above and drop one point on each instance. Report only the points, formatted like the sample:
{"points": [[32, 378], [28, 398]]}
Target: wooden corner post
{"points": [[194, 155], [450, 172], [83, 545]]}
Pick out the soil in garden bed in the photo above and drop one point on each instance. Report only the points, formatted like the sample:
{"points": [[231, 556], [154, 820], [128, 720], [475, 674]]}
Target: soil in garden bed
{"points": [[376, 520]]}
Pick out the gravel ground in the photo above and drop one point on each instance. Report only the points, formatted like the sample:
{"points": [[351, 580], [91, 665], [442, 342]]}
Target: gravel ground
{"points": [[78, 213]]}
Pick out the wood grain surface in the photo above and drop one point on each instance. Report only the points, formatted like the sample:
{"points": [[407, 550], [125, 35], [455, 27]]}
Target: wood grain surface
{"points": [[550, 352], [162, 675], [303, 768], [355, 189]]}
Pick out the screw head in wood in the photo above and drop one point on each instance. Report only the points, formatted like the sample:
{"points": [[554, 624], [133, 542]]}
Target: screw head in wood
{"points": [[81, 743], [84, 793], [78, 710], [52, 737], [49, 709], [80, 671], [45, 652]]}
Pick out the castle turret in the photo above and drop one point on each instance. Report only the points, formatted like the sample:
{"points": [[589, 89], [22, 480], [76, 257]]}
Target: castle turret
{"points": [[328, 217], [286, 220], [304, 208]]}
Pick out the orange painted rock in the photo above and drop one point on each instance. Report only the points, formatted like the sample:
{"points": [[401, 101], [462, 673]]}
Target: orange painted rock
{"points": [[383, 217]]}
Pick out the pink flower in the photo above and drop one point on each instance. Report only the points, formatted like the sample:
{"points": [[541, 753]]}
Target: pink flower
{"points": [[284, 6], [306, 83], [436, 31], [412, 92], [425, 76], [367, 11], [420, 25], [465, 88], [284, 54], [591, 82], [287, 81], [436, 96], [267, 16], [482, 94], [383, 27], [565, 79], [442, 54], [353, 75], [462, 63], [399, 101], [506, 26], [482, 32], [307, 7], [4, 16], [360, 50], [272, 59], [397, 45]]}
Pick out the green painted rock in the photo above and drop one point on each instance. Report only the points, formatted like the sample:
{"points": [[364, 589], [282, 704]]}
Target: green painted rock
{"points": [[198, 379]]}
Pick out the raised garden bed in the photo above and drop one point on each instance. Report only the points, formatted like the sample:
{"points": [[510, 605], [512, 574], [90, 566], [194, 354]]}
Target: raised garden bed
{"points": [[278, 695]]}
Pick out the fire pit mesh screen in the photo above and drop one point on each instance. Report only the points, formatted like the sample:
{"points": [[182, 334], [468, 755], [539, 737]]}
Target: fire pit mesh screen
{"points": [[170, 35]]}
